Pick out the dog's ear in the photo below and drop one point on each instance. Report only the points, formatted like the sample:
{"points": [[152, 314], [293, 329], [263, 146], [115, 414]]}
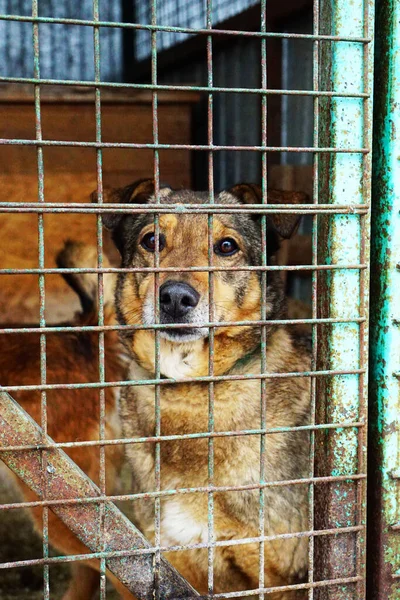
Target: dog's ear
{"points": [[284, 224], [138, 192]]}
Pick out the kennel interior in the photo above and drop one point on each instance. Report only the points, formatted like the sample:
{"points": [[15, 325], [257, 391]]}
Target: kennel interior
{"points": [[205, 96]]}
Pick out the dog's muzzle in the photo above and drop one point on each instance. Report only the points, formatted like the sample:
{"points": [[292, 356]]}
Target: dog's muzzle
{"points": [[180, 304], [177, 301]]}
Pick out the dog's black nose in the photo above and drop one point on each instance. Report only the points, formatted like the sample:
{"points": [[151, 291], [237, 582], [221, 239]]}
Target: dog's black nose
{"points": [[177, 298]]}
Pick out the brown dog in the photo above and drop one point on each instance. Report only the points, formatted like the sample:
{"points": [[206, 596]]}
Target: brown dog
{"points": [[184, 352], [72, 414]]}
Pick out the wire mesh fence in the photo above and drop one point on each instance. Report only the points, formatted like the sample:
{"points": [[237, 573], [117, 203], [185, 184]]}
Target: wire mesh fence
{"points": [[209, 488]]}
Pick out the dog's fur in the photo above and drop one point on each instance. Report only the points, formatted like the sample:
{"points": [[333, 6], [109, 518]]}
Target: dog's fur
{"points": [[72, 414], [185, 406]]}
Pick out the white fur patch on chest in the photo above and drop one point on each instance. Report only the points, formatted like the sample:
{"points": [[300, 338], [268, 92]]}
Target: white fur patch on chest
{"points": [[178, 526], [174, 363]]}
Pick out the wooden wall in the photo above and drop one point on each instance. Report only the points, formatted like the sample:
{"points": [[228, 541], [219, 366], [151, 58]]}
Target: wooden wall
{"points": [[70, 176]]}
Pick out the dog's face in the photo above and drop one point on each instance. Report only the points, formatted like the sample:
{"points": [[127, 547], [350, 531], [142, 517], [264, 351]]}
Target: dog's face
{"points": [[184, 295]]}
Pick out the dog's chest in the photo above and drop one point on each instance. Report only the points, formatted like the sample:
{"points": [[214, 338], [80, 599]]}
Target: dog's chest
{"points": [[175, 363]]}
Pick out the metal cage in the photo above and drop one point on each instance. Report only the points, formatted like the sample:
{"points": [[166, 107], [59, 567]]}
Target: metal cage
{"points": [[340, 210]]}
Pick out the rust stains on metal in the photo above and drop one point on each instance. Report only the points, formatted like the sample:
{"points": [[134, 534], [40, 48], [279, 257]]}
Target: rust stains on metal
{"points": [[384, 441], [66, 481]]}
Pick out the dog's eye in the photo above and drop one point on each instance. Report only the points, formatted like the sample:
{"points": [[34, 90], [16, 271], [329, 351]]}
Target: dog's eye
{"points": [[226, 247], [149, 242]]}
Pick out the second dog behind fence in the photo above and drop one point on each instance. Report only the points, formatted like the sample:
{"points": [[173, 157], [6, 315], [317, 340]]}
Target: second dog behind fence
{"points": [[72, 414]]}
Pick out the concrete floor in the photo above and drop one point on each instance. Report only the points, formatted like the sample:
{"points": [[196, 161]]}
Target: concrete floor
{"points": [[19, 541]]}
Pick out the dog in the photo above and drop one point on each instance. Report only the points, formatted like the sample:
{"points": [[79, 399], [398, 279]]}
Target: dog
{"points": [[73, 414], [184, 406]]}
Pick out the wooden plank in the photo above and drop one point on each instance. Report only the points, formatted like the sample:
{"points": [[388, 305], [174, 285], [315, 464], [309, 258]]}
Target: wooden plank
{"points": [[24, 93], [120, 123]]}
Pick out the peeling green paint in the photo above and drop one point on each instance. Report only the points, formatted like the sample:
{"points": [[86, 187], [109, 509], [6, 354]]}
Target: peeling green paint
{"points": [[346, 237], [384, 442]]}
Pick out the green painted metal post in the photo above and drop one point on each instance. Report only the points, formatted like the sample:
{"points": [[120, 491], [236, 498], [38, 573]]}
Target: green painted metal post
{"points": [[384, 441], [344, 293]]}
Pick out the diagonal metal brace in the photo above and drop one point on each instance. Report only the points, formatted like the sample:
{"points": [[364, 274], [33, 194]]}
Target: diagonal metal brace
{"points": [[66, 481]]}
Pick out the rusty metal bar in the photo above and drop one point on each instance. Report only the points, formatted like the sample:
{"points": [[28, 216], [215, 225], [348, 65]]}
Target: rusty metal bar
{"points": [[158, 146], [314, 295], [184, 436], [166, 381], [211, 313], [364, 293], [344, 237], [53, 271], [263, 312], [42, 294], [197, 490], [256, 209], [66, 481], [207, 32], [156, 219], [384, 442], [59, 329], [100, 296], [141, 551], [300, 586], [176, 88]]}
